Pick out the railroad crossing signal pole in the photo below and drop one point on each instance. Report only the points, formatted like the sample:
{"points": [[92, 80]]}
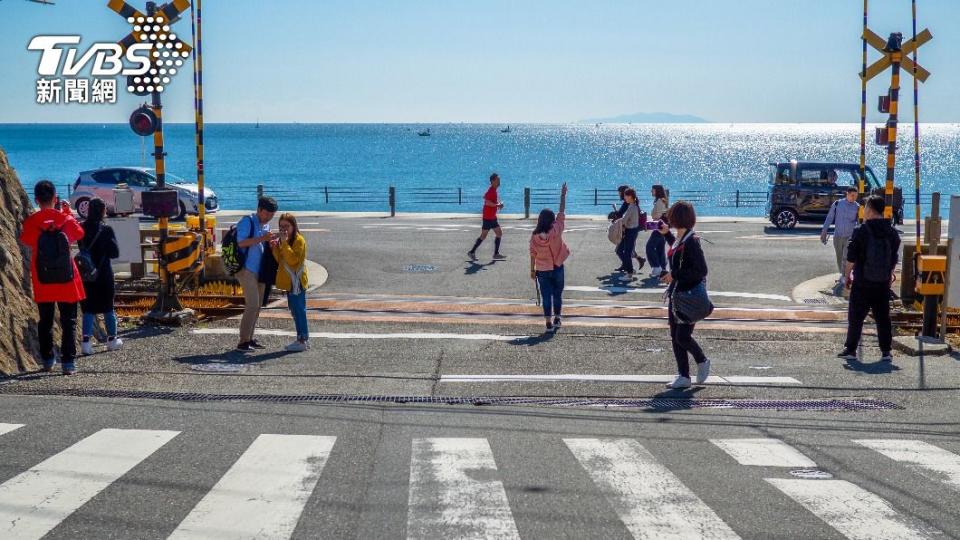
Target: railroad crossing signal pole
{"points": [[154, 28], [895, 55]]}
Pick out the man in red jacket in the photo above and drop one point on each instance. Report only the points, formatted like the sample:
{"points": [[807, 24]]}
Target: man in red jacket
{"points": [[56, 281]]}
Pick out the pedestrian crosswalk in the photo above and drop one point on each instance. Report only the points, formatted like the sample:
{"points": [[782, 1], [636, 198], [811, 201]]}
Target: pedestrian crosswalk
{"points": [[460, 487]]}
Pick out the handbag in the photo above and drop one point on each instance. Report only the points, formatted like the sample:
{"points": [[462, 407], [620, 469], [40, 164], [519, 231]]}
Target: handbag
{"points": [[690, 306], [89, 271]]}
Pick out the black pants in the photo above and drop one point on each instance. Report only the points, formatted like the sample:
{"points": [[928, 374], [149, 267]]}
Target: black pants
{"points": [[68, 329], [626, 247], [862, 301], [681, 337]]}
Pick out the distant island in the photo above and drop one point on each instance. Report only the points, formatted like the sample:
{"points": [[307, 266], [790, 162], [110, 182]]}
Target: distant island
{"points": [[648, 118]]}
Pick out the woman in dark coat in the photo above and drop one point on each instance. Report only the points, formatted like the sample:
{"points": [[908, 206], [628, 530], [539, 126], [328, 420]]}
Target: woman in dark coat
{"points": [[688, 269], [101, 242]]}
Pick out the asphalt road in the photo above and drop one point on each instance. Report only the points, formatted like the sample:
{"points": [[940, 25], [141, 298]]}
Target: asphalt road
{"points": [[785, 441], [443, 472]]}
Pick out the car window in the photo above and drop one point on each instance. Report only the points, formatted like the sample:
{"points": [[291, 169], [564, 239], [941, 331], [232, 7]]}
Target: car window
{"points": [[139, 179], [782, 176], [109, 176], [817, 178], [848, 177]]}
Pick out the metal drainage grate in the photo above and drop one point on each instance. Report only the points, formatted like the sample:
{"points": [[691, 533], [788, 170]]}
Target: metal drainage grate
{"points": [[420, 268], [814, 301], [665, 404]]}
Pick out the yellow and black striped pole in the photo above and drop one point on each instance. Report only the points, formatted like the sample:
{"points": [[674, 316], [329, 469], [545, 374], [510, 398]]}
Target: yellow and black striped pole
{"points": [[196, 26], [167, 299], [916, 128], [863, 114], [893, 48]]}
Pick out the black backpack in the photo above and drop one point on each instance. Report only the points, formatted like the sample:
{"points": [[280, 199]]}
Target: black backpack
{"points": [[54, 264], [877, 261], [89, 271]]}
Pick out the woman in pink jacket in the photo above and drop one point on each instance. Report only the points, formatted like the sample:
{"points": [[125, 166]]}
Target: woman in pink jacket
{"points": [[547, 254]]}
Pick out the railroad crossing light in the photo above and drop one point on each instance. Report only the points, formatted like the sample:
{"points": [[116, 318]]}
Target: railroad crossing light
{"points": [[143, 121], [894, 42]]}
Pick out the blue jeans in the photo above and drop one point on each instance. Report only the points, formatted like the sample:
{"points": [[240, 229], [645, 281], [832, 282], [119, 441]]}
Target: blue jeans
{"points": [[109, 319], [656, 246], [551, 289], [298, 308], [626, 247]]}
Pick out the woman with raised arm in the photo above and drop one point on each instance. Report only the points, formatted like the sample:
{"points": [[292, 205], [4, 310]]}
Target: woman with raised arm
{"points": [[548, 252]]}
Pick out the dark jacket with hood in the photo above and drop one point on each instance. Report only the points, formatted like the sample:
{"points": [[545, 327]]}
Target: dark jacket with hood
{"points": [[872, 230]]}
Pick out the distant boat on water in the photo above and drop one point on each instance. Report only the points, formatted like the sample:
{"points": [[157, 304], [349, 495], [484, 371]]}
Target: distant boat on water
{"points": [[258, 124], [424, 133], [505, 130]]}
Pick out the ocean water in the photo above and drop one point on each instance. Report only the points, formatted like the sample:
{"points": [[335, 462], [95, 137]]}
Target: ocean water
{"points": [[349, 167]]}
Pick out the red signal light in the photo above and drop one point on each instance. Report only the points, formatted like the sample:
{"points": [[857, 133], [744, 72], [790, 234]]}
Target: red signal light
{"points": [[143, 121]]}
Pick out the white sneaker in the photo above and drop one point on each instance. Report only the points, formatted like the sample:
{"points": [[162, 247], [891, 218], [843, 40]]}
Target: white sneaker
{"points": [[679, 382], [115, 344], [296, 346], [703, 371], [86, 348], [655, 271]]}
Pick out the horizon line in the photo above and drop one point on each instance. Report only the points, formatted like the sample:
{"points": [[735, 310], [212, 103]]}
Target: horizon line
{"points": [[473, 123]]}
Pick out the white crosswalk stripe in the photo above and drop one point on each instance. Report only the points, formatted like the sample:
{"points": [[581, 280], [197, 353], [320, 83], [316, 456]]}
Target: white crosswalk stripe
{"points": [[454, 492], [456, 489], [7, 428], [931, 461], [763, 453], [650, 500], [34, 502], [853, 511], [263, 494]]}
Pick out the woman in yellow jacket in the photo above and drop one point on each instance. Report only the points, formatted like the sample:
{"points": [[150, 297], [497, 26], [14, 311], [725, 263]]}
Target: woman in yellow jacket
{"points": [[290, 251]]}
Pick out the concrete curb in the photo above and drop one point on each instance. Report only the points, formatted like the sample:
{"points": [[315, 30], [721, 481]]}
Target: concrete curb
{"points": [[317, 275], [810, 292]]}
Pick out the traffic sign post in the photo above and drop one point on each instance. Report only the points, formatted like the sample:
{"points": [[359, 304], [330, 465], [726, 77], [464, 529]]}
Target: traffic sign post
{"points": [[154, 28]]}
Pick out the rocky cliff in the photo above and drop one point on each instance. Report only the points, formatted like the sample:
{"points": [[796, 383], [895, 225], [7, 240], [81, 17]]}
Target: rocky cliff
{"points": [[18, 313]]}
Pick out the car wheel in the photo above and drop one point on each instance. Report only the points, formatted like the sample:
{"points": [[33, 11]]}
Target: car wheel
{"points": [[183, 212], [83, 207], [785, 218]]}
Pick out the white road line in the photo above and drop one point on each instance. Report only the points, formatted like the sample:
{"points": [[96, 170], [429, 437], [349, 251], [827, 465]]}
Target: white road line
{"points": [[263, 493], [650, 500], [764, 453], [852, 510], [7, 428], [357, 335], [34, 502], [730, 380], [618, 289], [931, 461], [454, 492]]}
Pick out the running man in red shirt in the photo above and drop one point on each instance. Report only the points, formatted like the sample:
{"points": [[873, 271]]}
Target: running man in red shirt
{"points": [[491, 203]]}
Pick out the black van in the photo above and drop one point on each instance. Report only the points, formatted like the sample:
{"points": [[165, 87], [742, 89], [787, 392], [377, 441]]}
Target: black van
{"points": [[802, 191]]}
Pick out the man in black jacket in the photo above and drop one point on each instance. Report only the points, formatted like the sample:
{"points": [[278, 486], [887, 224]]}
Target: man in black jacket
{"points": [[872, 256]]}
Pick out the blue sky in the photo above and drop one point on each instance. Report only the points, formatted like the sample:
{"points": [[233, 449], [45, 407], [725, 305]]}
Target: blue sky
{"points": [[506, 61]]}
